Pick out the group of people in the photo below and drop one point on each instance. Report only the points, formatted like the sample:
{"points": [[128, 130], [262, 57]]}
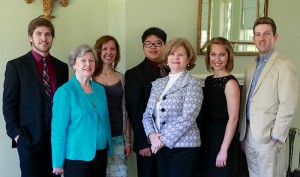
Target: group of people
{"points": [[77, 127], [82, 127]]}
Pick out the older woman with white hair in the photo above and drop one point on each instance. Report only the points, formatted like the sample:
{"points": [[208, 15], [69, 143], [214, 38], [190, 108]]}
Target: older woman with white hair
{"points": [[81, 136]]}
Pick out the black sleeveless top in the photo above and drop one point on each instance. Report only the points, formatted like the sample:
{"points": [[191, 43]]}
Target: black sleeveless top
{"points": [[214, 103]]}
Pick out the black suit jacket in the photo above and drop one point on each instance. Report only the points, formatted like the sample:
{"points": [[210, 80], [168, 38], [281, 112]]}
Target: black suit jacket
{"points": [[25, 106], [137, 91]]}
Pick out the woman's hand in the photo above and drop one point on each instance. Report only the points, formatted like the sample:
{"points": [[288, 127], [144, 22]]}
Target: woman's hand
{"points": [[155, 141], [58, 171], [127, 150], [221, 159]]}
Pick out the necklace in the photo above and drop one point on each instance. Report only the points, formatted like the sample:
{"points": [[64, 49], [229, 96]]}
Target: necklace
{"points": [[91, 99]]}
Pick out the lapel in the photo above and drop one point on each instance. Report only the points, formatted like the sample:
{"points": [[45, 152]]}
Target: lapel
{"points": [[181, 82], [32, 68], [56, 71], [160, 84], [99, 103], [82, 94], [266, 70], [96, 96], [148, 70], [249, 73]]}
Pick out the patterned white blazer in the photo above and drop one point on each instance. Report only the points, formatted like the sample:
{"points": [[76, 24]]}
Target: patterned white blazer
{"points": [[179, 107]]}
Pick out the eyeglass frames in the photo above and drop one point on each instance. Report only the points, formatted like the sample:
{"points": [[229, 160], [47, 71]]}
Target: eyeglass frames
{"points": [[149, 44]]}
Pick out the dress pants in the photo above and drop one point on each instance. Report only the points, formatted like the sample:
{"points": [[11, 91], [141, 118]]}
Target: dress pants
{"points": [[35, 160], [146, 166], [178, 162], [94, 168], [262, 159]]}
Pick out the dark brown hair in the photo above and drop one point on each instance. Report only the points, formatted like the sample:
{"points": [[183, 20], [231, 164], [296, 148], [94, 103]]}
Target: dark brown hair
{"points": [[265, 20]]}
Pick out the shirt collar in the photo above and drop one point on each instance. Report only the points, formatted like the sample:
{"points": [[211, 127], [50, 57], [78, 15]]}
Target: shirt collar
{"points": [[154, 64], [39, 57], [265, 57]]}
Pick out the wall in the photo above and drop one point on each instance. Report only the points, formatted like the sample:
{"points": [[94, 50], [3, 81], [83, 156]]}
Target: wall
{"points": [[286, 16], [84, 21]]}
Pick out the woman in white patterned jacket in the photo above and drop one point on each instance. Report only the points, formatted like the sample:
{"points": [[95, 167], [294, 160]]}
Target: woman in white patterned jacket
{"points": [[170, 117]]}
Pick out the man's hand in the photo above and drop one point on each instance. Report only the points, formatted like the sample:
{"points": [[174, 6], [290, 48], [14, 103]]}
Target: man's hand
{"points": [[146, 152]]}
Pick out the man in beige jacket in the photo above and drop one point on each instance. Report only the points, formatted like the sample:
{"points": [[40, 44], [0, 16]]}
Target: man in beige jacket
{"points": [[269, 102]]}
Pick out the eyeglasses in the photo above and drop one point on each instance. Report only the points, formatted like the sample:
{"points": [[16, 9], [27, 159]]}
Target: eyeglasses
{"points": [[149, 44]]}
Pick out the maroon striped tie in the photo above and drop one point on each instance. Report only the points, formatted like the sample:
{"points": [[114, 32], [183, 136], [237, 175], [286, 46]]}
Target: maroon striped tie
{"points": [[46, 81], [162, 71]]}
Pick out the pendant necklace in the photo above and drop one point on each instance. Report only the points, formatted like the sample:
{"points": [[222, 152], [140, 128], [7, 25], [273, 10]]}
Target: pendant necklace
{"points": [[91, 99]]}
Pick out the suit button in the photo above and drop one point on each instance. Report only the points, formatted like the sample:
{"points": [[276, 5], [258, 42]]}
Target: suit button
{"points": [[164, 97], [163, 110], [163, 123]]}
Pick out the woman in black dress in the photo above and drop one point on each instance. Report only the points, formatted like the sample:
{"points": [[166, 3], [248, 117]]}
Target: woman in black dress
{"points": [[220, 111]]}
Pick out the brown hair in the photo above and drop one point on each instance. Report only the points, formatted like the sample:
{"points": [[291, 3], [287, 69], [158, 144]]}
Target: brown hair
{"points": [[265, 20], [175, 44], [38, 22], [98, 47], [228, 47]]}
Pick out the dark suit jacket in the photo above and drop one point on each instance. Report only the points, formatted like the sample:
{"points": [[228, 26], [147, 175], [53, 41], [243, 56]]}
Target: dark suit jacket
{"points": [[137, 91], [25, 107]]}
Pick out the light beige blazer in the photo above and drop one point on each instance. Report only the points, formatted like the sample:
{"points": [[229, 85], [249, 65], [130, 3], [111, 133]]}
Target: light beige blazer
{"points": [[274, 100]]}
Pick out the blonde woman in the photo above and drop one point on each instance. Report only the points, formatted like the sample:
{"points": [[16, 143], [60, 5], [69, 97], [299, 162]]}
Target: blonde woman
{"points": [[220, 111]]}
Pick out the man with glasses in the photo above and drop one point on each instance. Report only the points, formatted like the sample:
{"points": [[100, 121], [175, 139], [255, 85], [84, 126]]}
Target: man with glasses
{"points": [[137, 91]]}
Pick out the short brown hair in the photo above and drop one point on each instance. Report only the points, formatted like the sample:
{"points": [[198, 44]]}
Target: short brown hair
{"points": [[265, 20], [228, 47], [38, 22], [98, 47], [175, 44]]}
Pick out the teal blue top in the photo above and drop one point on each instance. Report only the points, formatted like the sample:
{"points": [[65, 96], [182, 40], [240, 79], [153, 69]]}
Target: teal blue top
{"points": [[80, 125]]}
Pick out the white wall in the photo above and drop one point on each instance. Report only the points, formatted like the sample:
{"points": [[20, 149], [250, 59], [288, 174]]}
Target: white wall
{"points": [[287, 17]]}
